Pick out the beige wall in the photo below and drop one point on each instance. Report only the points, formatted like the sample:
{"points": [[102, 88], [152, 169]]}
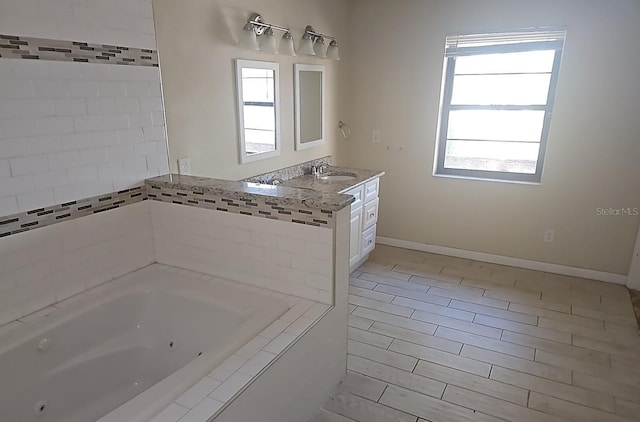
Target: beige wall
{"points": [[198, 41], [593, 157]]}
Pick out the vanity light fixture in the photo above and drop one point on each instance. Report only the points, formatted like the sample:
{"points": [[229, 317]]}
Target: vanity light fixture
{"points": [[313, 43], [257, 27]]}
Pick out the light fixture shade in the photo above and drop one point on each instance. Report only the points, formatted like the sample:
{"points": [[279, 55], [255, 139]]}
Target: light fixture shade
{"points": [[332, 52], [320, 48], [268, 42], [248, 38], [306, 46], [286, 45]]}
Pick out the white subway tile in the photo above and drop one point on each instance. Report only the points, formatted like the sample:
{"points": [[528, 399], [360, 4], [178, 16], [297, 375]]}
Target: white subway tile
{"points": [[55, 125], [109, 171], [158, 118], [57, 11], [135, 165], [33, 200], [101, 105], [101, 122], [40, 28], [18, 128], [8, 205], [228, 367], [93, 156], [138, 120], [123, 73], [89, 140], [155, 89], [82, 13], [50, 179], [158, 161], [83, 89], [83, 174], [171, 413], [197, 392], [137, 89], [281, 342], [311, 265], [121, 152], [95, 71], [64, 70], [8, 109], [31, 145], [130, 136], [111, 89], [29, 165], [151, 104], [51, 88], [29, 69], [70, 107], [127, 105], [230, 387], [63, 160], [5, 169], [203, 411], [17, 89], [33, 107], [144, 148], [257, 363], [148, 73], [16, 185]]}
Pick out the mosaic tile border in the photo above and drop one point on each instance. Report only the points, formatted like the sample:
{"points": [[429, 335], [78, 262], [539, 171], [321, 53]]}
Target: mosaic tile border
{"points": [[18, 47], [42, 217], [268, 208], [291, 172]]}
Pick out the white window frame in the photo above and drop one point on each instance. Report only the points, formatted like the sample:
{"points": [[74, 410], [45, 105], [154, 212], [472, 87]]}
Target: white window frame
{"points": [[480, 44]]}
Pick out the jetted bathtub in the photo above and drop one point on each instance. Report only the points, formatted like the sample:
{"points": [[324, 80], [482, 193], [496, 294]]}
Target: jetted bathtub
{"points": [[126, 349]]}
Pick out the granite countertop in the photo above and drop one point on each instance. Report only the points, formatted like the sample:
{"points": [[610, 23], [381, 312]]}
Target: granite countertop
{"points": [[310, 181], [310, 197]]}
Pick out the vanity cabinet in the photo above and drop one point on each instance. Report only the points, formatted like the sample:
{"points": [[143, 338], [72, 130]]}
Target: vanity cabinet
{"points": [[364, 217]]}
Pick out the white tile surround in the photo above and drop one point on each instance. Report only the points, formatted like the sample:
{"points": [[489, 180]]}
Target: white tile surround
{"points": [[117, 22], [74, 130], [290, 258], [41, 267]]}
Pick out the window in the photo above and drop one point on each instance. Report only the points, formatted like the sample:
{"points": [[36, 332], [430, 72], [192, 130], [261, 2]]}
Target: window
{"points": [[497, 102]]}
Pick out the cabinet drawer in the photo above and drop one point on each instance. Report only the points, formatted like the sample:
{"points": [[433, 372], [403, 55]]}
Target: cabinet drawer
{"points": [[368, 240], [358, 193], [371, 189], [370, 213]]}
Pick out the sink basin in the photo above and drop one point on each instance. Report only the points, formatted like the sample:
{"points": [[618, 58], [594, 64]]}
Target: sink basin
{"points": [[337, 177]]}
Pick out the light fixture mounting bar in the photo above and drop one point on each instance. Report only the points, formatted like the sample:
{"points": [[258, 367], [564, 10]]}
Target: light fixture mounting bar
{"points": [[260, 25], [309, 30]]}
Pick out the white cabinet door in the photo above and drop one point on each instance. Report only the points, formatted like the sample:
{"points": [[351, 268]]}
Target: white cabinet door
{"points": [[355, 236]]}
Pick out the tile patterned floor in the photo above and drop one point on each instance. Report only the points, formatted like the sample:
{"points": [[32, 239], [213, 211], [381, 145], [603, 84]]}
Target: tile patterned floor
{"points": [[442, 339]]}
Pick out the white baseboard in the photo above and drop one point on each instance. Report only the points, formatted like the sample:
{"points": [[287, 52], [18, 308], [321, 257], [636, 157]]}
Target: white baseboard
{"points": [[506, 260]]}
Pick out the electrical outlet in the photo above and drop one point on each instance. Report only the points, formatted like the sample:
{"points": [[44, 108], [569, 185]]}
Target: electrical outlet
{"points": [[376, 136], [184, 166], [549, 234]]}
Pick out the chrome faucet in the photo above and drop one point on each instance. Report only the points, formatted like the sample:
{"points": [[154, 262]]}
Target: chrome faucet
{"points": [[319, 169]]}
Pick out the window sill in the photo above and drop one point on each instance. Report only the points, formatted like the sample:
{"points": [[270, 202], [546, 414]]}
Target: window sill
{"points": [[484, 179]]}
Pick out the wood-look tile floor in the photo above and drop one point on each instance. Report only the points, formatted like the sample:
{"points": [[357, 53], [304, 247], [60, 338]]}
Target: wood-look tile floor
{"points": [[442, 339]]}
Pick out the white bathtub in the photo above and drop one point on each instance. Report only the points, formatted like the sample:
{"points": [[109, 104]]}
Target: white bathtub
{"points": [[126, 349]]}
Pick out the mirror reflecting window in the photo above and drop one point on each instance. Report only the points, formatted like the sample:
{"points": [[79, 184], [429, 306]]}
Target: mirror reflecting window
{"points": [[258, 103], [310, 104]]}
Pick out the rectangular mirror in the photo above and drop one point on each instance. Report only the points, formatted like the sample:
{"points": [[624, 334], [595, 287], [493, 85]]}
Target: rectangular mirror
{"points": [[258, 109], [310, 104]]}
